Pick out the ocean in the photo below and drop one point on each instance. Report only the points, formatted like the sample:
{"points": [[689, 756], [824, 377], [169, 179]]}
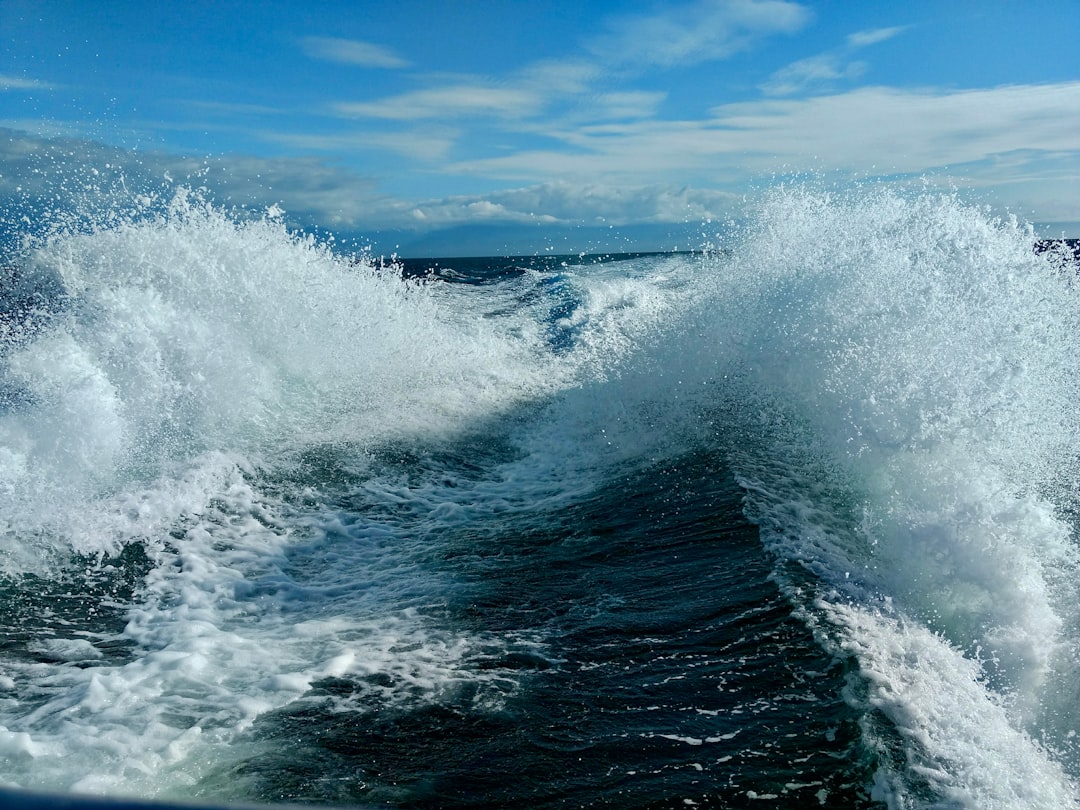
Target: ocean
{"points": [[788, 521]]}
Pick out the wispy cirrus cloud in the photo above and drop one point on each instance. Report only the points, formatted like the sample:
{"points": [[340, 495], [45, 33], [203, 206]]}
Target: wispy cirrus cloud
{"points": [[352, 52], [9, 83], [862, 39], [427, 145], [824, 70], [230, 109], [585, 87], [570, 75], [451, 101], [869, 130], [630, 104], [696, 32], [647, 170]]}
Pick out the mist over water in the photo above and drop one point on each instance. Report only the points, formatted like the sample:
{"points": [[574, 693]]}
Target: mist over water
{"points": [[248, 483]]}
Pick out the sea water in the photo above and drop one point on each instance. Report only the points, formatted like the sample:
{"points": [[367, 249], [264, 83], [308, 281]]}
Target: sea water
{"points": [[790, 519]]}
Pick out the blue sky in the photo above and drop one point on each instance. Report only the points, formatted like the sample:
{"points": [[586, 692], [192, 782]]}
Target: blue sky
{"points": [[480, 120]]}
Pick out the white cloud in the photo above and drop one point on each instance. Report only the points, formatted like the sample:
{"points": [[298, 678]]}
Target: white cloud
{"points": [[861, 39], [311, 190], [871, 131], [425, 145], [568, 203], [45, 128], [1016, 142], [812, 72], [458, 210], [448, 102], [65, 169], [574, 90], [1036, 184], [823, 71], [232, 108], [909, 131], [697, 32], [568, 76], [8, 83], [625, 105], [352, 52]]}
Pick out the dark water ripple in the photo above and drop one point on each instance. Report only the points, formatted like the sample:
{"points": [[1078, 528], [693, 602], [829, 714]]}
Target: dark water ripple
{"points": [[673, 674]]}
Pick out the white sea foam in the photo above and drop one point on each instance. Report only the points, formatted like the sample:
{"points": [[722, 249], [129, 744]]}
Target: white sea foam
{"points": [[229, 626], [192, 358], [903, 386], [194, 332]]}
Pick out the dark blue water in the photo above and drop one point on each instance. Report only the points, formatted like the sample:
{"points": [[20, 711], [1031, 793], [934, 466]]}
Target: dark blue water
{"points": [[671, 669]]}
